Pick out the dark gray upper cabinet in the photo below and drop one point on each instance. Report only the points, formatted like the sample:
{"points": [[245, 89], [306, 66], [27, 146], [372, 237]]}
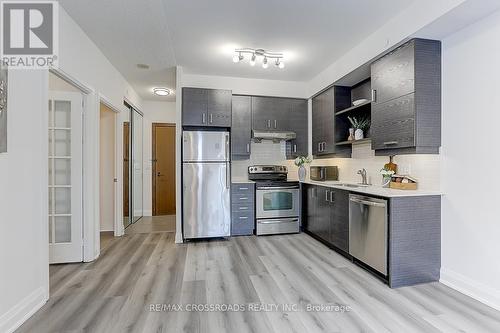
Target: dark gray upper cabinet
{"points": [[194, 107], [206, 107], [219, 107], [323, 123], [406, 110], [298, 124], [270, 113], [241, 126]]}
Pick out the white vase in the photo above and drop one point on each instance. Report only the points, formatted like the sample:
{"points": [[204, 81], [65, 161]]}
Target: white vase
{"points": [[358, 134], [351, 134], [302, 173]]}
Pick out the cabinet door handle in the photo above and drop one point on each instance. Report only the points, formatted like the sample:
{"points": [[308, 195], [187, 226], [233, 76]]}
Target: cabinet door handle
{"points": [[294, 148], [390, 143], [203, 118], [269, 123], [374, 96], [275, 123], [248, 148], [243, 217], [211, 118], [332, 197], [319, 147], [326, 196]]}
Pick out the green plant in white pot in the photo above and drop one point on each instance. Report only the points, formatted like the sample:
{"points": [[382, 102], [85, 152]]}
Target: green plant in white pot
{"points": [[361, 125], [301, 161]]}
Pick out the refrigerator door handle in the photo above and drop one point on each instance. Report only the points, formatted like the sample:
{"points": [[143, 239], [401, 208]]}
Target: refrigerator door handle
{"points": [[228, 175], [227, 147]]}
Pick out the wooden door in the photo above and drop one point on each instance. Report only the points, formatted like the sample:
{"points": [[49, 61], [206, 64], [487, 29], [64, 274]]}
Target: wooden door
{"points": [[163, 169], [126, 172]]}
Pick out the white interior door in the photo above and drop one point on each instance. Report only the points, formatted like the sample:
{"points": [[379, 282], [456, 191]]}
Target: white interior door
{"points": [[65, 177]]}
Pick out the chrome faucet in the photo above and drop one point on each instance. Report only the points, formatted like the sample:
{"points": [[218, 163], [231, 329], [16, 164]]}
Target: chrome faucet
{"points": [[364, 180]]}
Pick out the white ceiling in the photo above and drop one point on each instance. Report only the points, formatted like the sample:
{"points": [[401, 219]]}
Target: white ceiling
{"points": [[201, 35]]}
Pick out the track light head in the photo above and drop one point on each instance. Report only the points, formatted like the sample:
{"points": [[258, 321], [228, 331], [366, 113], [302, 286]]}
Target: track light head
{"points": [[264, 63], [238, 57], [252, 60]]}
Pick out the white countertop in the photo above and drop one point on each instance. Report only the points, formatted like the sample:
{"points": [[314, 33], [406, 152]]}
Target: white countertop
{"points": [[374, 189], [243, 180]]}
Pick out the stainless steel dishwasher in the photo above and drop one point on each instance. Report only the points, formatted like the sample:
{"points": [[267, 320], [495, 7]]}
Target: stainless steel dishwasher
{"points": [[368, 231]]}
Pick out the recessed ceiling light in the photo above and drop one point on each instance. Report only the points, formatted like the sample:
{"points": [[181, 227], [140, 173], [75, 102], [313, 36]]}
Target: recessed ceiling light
{"points": [[143, 66], [162, 91]]}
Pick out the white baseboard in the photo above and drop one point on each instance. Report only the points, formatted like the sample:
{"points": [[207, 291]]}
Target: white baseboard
{"points": [[469, 287], [22, 311]]}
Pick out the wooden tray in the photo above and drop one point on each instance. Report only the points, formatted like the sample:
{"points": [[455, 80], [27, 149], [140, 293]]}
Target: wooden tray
{"points": [[403, 186]]}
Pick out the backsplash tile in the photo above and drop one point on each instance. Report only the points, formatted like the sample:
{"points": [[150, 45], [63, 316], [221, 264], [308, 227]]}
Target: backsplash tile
{"points": [[426, 168]]}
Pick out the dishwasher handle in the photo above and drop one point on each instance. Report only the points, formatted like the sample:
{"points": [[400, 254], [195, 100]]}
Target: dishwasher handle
{"points": [[367, 202]]}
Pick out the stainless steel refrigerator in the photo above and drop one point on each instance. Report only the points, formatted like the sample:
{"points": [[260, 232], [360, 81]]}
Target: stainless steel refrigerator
{"points": [[206, 183]]}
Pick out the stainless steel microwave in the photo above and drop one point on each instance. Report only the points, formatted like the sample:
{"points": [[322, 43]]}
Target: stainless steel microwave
{"points": [[324, 173]]}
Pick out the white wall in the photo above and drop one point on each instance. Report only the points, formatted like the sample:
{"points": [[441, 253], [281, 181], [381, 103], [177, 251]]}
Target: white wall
{"points": [[23, 200], [154, 112], [471, 160], [107, 168], [82, 59], [246, 86]]}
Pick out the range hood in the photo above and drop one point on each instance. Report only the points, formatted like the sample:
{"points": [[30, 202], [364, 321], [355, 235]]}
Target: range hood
{"points": [[276, 136]]}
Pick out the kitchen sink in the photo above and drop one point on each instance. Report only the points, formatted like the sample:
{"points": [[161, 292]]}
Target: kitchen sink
{"points": [[354, 185]]}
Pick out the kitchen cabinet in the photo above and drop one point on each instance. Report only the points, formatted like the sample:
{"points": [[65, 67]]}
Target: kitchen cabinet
{"points": [[270, 113], [242, 209], [241, 127], [323, 123], [299, 125], [206, 107], [413, 236], [327, 215], [406, 106]]}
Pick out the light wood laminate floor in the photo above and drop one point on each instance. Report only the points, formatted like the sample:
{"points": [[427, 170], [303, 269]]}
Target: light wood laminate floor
{"points": [[114, 293]]}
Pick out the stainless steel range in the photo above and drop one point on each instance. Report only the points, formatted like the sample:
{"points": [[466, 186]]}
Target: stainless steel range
{"points": [[277, 200]]}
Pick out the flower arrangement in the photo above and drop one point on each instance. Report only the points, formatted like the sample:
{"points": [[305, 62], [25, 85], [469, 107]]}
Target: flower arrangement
{"points": [[301, 160], [386, 176], [386, 173], [362, 123]]}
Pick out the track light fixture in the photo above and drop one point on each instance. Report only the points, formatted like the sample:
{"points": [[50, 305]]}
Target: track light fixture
{"points": [[266, 55]]}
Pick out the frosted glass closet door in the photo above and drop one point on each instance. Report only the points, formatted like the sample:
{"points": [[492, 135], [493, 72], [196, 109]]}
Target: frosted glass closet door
{"points": [[65, 177]]}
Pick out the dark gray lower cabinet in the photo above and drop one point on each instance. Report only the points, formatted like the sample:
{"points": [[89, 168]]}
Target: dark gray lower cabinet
{"points": [[242, 209], [414, 231], [327, 215]]}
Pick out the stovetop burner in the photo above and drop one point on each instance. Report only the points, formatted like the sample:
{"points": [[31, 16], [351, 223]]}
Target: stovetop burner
{"points": [[262, 173]]}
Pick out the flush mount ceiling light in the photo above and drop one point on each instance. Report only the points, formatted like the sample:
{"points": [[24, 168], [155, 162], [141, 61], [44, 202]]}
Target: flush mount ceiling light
{"points": [[160, 91], [265, 55]]}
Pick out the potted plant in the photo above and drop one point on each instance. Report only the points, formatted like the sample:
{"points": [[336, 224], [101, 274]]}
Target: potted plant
{"points": [[300, 162], [386, 176], [361, 125]]}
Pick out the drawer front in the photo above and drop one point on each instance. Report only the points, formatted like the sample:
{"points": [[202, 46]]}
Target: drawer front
{"points": [[242, 223], [393, 123], [243, 188], [243, 207], [242, 198]]}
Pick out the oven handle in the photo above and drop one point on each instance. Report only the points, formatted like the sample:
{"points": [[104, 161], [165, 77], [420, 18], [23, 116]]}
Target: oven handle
{"points": [[278, 221], [278, 188]]}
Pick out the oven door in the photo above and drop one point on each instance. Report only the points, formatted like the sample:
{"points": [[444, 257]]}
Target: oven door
{"points": [[273, 202]]}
